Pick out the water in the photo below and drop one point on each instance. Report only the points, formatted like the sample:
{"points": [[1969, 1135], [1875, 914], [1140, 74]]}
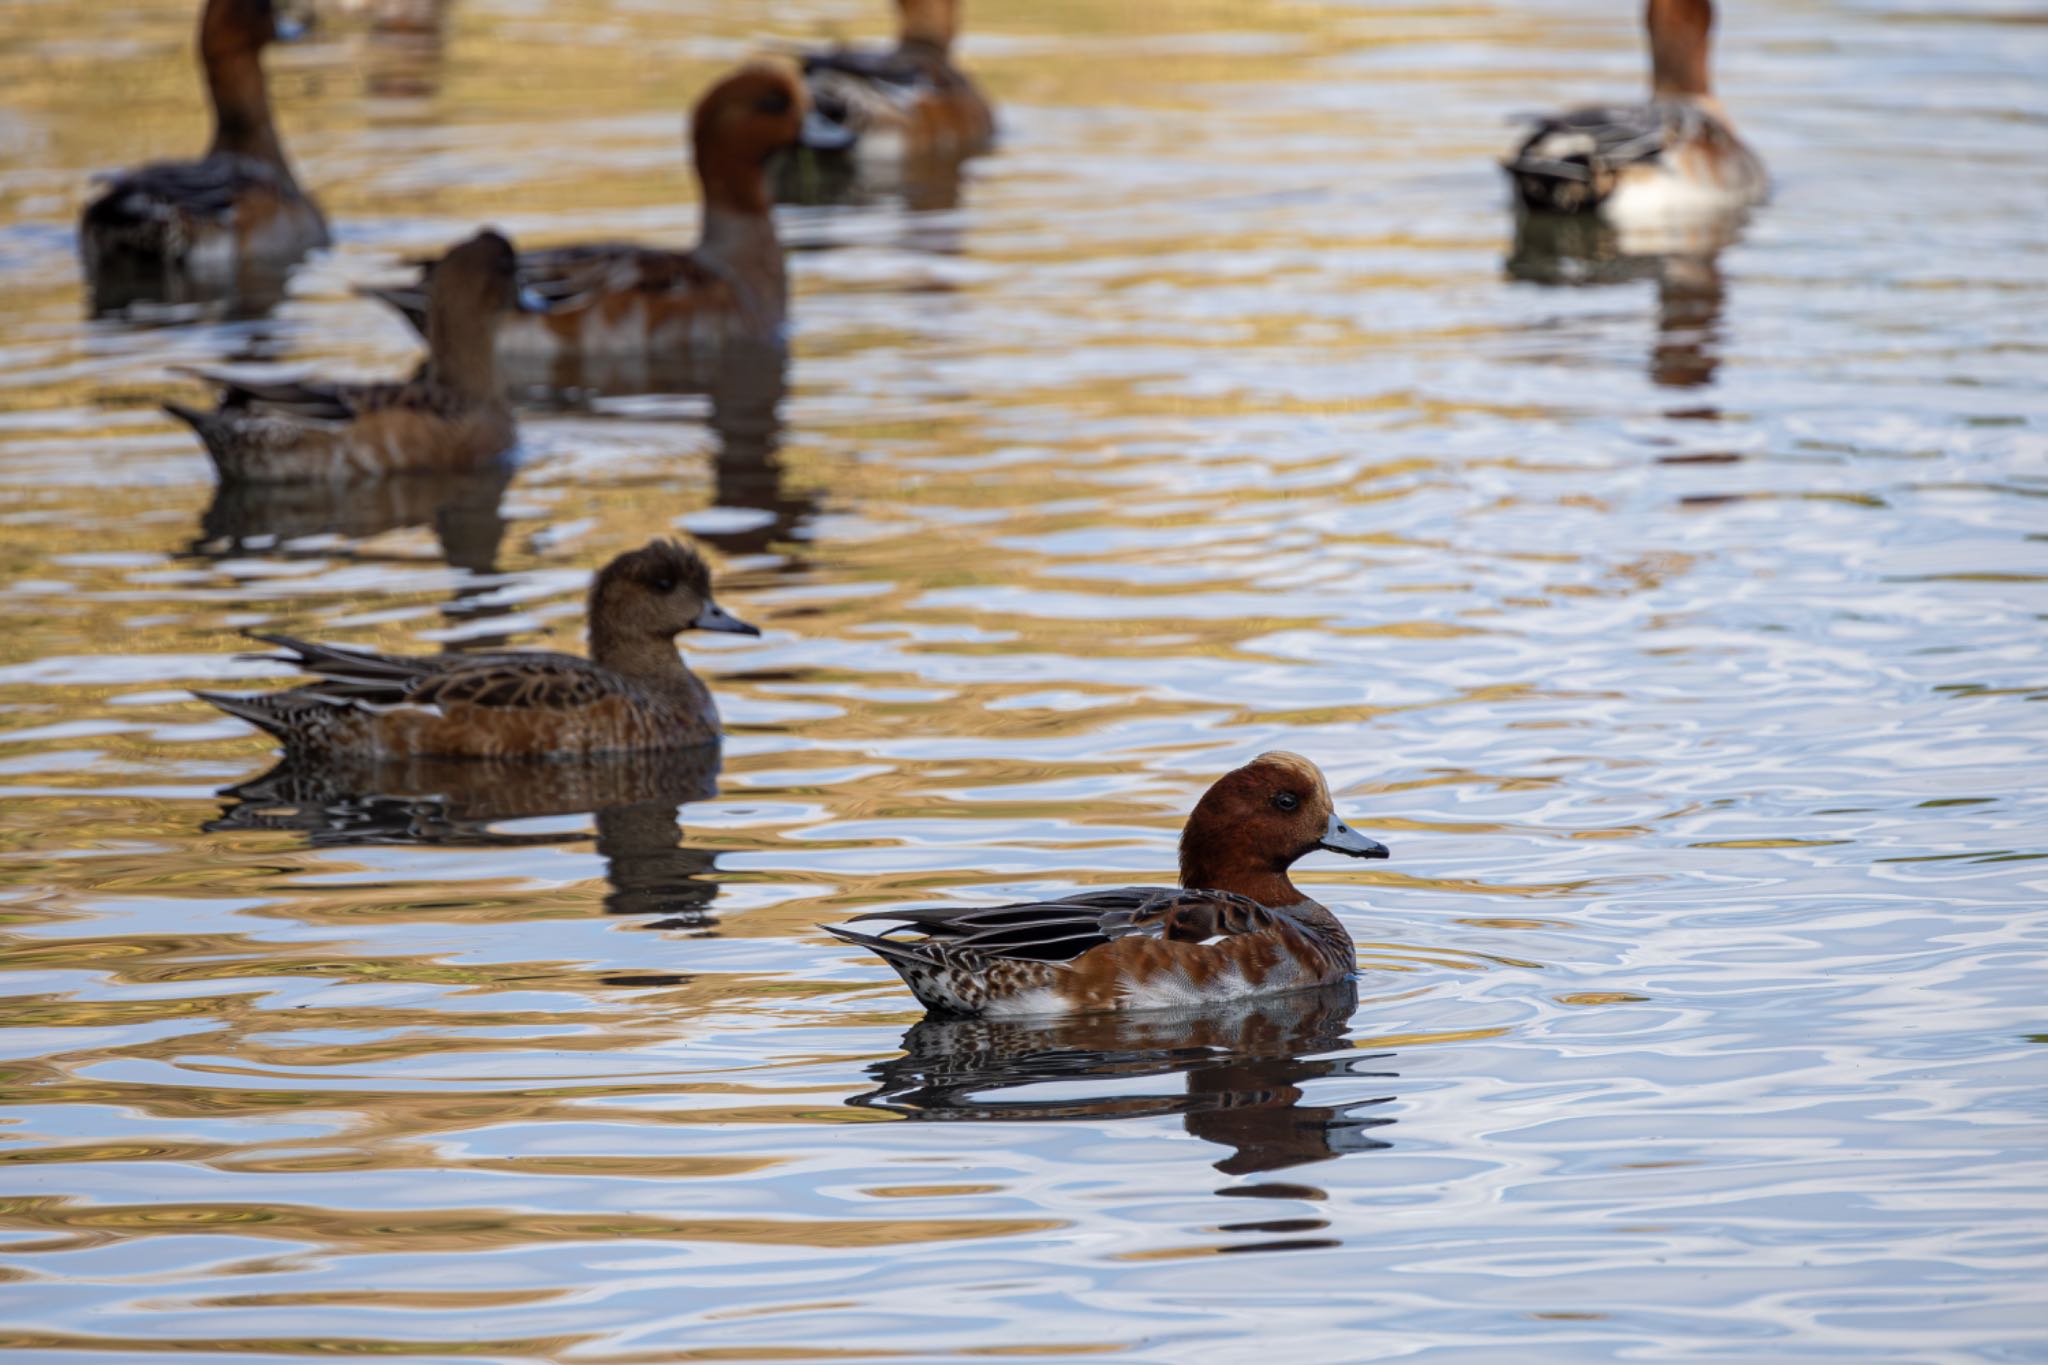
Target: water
{"points": [[1681, 631]]}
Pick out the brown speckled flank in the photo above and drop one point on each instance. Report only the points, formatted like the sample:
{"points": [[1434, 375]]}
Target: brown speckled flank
{"points": [[632, 694], [451, 417], [1674, 154], [236, 204], [911, 102], [615, 299], [1236, 927]]}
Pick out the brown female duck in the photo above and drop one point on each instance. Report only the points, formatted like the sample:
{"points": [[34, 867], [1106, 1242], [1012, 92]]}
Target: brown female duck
{"points": [[451, 417], [237, 204], [1236, 926], [623, 300], [632, 695]]}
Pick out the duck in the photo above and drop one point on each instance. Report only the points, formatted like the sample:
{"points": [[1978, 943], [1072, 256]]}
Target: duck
{"points": [[1235, 927], [1676, 156], [623, 300], [907, 102], [237, 205], [450, 417], [632, 695]]}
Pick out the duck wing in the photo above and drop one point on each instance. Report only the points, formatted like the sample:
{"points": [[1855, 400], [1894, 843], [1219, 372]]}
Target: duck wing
{"points": [[205, 190], [566, 277], [1061, 930], [1571, 161], [528, 680], [320, 400], [865, 63]]}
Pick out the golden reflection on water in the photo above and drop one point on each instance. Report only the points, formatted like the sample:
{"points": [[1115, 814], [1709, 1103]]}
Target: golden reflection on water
{"points": [[1220, 410]]}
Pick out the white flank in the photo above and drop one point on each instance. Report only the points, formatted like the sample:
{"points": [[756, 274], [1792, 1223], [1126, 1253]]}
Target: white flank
{"points": [[1039, 1003]]}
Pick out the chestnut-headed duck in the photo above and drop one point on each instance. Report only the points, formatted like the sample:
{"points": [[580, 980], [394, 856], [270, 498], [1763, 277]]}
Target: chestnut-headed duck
{"points": [[907, 102], [623, 300], [1674, 157], [235, 206], [1235, 927], [632, 695], [450, 417]]}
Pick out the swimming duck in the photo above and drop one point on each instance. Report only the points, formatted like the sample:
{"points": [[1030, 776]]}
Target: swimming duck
{"points": [[907, 102], [1675, 156], [450, 417], [237, 204], [1235, 927], [618, 299], [632, 695]]}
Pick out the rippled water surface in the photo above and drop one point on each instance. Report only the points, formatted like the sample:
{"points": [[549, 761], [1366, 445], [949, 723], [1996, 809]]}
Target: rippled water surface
{"points": [[1680, 626]]}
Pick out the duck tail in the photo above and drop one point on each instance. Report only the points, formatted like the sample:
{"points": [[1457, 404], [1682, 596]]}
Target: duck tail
{"points": [[922, 971], [207, 426], [127, 225], [275, 713]]}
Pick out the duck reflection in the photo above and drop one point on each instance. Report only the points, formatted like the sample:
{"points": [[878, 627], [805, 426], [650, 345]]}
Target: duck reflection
{"points": [[1682, 258], [1245, 1068], [464, 511], [633, 800], [755, 510]]}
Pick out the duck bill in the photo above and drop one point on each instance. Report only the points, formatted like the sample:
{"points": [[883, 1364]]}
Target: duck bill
{"points": [[529, 301], [1341, 838], [715, 617]]}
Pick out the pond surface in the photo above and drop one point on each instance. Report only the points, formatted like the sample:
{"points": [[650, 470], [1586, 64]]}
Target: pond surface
{"points": [[1681, 630]]}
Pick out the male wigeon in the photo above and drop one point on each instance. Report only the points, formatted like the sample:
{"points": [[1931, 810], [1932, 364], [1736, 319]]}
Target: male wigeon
{"points": [[1235, 927], [619, 299], [238, 204], [450, 417], [632, 695], [907, 102], [1673, 157]]}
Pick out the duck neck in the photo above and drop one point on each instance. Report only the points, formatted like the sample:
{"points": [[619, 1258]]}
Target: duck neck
{"points": [[1679, 35], [1204, 870], [464, 353], [648, 659], [927, 24], [241, 107], [739, 242]]}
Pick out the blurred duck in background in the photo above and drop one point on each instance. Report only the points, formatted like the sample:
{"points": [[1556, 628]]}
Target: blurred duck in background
{"points": [[632, 695], [906, 102], [620, 300], [450, 417], [1673, 158], [178, 229]]}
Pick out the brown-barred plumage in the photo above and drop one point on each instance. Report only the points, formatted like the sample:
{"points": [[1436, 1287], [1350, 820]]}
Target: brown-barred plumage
{"points": [[1236, 927]]}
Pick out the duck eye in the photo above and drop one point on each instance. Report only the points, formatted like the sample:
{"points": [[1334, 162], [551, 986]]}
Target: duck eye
{"points": [[1286, 801], [663, 584], [775, 102]]}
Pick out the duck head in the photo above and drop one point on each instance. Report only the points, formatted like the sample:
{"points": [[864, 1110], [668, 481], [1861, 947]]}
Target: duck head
{"points": [[652, 595], [743, 121], [1257, 821]]}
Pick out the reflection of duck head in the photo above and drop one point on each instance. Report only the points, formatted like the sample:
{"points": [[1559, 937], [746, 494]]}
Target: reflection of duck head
{"points": [[456, 802], [1684, 260], [1244, 1066]]}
